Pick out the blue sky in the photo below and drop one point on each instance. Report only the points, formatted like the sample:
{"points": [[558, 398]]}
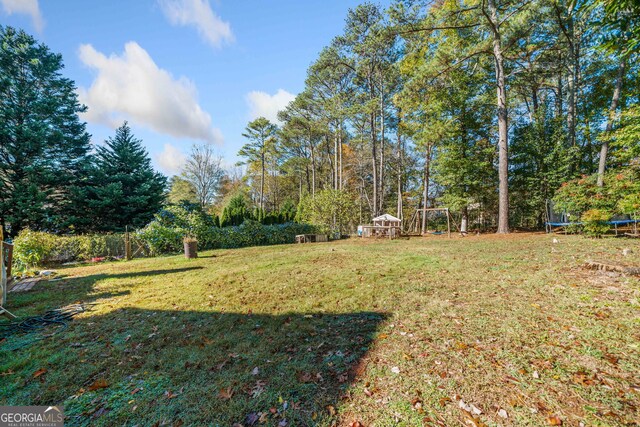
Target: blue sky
{"points": [[182, 71]]}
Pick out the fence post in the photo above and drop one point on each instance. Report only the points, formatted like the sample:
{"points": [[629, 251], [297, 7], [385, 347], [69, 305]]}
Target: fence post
{"points": [[3, 281], [3, 275], [127, 244]]}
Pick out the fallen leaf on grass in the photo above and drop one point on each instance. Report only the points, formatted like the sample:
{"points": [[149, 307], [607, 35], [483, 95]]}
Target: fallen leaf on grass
{"points": [[444, 401], [170, 395], [554, 420], [39, 373], [416, 404], [331, 410], [503, 414], [472, 421], [582, 378], [225, 393], [98, 384], [613, 359], [601, 315], [356, 424], [305, 377], [395, 370]]}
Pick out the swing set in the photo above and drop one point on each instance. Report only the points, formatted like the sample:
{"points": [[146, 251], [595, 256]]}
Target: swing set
{"points": [[437, 218]]}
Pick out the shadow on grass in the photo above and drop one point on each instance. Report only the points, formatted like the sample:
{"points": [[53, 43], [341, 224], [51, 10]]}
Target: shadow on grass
{"points": [[134, 366], [135, 274], [68, 289]]}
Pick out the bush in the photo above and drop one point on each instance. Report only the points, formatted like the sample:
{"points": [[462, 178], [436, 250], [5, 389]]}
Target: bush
{"points": [[594, 222], [161, 238], [164, 239], [35, 248], [31, 248], [595, 205]]}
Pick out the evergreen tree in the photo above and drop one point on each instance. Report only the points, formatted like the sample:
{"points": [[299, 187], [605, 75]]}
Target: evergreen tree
{"points": [[43, 144], [261, 134], [235, 212], [126, 191]]}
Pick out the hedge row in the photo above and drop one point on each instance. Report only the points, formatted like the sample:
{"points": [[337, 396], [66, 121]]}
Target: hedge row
{"points": [[165, 239], [36, 248], [33, 248]]}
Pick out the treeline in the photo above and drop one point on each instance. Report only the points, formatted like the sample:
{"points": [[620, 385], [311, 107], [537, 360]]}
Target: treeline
{"points": [[51, 179], [486, 107]]}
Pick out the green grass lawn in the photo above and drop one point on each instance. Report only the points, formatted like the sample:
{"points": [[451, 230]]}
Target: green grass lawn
{"points": [[484, 330]]}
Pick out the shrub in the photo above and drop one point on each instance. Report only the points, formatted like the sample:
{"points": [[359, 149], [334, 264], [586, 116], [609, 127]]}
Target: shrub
{"points": [[34, 248], [620, 195], [595, 222], [31, 248], [163, 239]]}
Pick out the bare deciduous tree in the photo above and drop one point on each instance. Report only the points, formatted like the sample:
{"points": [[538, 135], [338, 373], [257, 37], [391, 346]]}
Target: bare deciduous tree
{"points": [[204, 171]]}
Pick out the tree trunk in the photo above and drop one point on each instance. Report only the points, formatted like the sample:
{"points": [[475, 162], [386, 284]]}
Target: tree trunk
{"points": [[559, 95], [425, 193], [262, 183], [400, 175], [300, 190], [375, 165], [571, 83], [313, 171], [340, 155], [503, 141], [335, 161], [382, 117], [604, 150]]}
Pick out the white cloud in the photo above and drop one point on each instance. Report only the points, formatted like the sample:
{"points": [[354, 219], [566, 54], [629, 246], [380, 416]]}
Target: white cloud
{"points": [[198, 13], [171, 160], [28, 7], [132, 87], [261, 104]]}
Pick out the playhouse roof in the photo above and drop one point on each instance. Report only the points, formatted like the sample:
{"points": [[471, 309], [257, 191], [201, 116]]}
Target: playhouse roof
{"points": [[386, 217]]}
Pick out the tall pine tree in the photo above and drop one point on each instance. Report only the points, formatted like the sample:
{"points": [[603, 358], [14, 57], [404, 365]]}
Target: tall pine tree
{"points": [[126, 190], [43, 144]]}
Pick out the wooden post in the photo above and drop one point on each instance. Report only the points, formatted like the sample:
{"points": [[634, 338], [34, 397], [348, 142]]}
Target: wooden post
{"points": [[127, 244], [9, 248], [3, 281], [3, 278], [448, 224]]}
